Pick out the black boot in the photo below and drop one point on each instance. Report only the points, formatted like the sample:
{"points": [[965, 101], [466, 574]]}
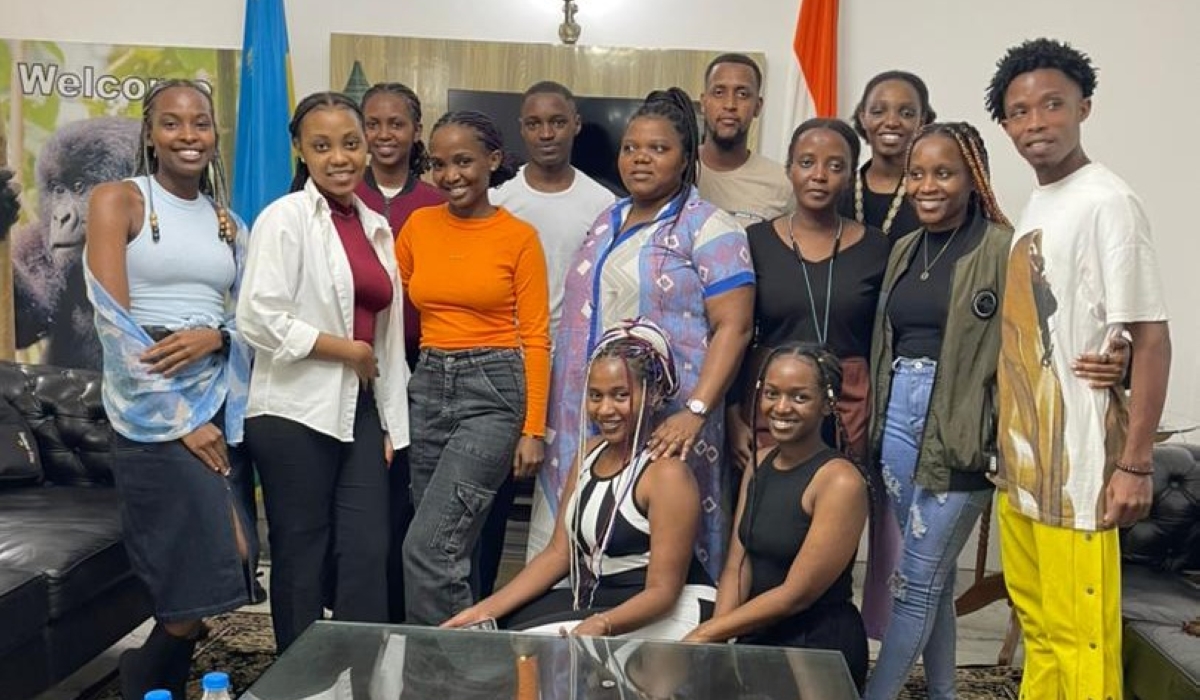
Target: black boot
{"points": [[178, 665], [163, 661], [141, 668]]}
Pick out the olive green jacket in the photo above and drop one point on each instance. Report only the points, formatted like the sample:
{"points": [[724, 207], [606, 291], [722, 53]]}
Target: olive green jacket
{"points": [[960, 428]]}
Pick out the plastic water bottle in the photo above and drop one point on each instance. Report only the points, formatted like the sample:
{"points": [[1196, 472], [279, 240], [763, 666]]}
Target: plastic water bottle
{"points": [[216, 686], [157, 695]]}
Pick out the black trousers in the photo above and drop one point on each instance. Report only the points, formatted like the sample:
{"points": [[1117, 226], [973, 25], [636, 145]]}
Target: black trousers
{"points": [[327, 518]]}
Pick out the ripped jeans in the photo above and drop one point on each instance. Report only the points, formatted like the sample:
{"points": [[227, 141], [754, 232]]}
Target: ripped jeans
{"points": [[467, 408], [935, 528]]}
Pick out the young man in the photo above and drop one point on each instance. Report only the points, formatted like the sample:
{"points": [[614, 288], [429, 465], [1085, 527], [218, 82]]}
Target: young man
{"points": [[745, 184], [562, 203], [1082, 269]]}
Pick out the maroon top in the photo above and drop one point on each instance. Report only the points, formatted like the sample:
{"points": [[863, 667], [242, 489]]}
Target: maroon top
{"points": [[414, 195], [372, 286]]}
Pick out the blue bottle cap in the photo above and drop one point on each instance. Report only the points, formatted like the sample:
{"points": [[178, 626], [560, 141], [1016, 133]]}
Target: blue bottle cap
{"points": [[215, 681], [157, 695]]}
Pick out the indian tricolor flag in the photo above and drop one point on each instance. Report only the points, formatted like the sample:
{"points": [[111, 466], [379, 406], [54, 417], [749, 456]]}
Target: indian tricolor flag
{"points": [[813, 82]]}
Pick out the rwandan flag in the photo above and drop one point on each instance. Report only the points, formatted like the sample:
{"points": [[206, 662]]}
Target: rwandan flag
{"points": [[262, 169]]}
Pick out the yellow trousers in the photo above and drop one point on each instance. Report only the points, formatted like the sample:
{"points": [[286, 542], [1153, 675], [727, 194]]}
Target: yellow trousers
{"points": [[1066, 588]]}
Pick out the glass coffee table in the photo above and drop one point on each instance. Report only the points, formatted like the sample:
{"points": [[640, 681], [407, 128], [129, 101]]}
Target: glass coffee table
{"points": [[396, 662]]}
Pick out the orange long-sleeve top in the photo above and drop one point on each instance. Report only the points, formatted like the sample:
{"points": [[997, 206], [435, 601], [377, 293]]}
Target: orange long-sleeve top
{"points": [[481, 283]]}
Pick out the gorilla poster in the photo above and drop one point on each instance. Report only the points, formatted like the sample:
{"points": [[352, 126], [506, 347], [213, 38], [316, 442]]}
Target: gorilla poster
{"points": [[73, 118]]}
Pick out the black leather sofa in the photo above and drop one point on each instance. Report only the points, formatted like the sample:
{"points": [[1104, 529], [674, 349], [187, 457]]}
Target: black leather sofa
{"points": [[67, 592], [1161, 583]]}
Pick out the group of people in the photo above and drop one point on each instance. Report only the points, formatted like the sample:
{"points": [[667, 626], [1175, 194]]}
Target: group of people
{"points": [[719, 380]]}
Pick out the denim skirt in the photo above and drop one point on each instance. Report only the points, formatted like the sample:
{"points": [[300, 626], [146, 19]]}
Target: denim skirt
{"points": [[178, 517]]}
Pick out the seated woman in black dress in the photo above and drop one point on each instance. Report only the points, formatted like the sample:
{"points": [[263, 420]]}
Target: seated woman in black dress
{"points": [[787, 581], [624, 579]]}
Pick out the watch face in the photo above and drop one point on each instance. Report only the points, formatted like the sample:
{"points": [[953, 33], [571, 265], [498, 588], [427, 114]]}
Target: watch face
{"points": [[697, 406]]}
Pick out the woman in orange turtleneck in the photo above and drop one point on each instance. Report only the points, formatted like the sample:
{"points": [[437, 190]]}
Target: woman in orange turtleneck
{"points": [[477, 276]]}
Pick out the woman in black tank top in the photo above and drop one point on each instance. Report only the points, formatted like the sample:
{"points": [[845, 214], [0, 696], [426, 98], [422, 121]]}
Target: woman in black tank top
{"points": [[787, 581]]}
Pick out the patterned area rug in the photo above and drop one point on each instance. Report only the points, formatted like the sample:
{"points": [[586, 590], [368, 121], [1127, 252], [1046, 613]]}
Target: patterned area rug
{"points": [[242, 645]]}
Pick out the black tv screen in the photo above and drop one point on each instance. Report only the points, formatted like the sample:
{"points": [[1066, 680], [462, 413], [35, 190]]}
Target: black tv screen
{"points": [[595, 153]]}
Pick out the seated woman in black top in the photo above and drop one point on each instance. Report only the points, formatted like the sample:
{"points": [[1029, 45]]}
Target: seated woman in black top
{"points": [[787, 580]]}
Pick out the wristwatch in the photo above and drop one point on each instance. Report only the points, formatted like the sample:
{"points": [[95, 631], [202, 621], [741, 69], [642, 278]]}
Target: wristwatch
{"points": [[697, 407], [226, 340]]}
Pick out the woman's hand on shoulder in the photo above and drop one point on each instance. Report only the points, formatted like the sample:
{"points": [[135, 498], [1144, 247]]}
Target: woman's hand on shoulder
{"points": [[675, 435]]}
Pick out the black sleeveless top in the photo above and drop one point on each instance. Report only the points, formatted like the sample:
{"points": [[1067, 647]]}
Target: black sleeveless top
{"points": [[774, 526]]}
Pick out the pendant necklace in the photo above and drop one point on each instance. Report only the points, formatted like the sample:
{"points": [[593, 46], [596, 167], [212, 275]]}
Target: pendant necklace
{"points": [[821, 328], [925, 250]]}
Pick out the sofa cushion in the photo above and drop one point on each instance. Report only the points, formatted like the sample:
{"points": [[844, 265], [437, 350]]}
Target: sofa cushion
{"points": [[71, 534], [65, 410], [24, 607], [19, 461], [1169, 539]]}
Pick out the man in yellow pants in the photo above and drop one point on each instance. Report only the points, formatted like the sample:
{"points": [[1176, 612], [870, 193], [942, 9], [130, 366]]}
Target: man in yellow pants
{"points": [[1074, 463]]}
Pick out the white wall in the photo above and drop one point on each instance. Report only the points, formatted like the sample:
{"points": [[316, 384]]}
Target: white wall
{"points": [[1148, 62]]}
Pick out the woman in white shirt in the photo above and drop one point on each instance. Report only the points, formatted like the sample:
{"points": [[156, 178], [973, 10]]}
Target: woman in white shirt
{"points": [[322, 307]]}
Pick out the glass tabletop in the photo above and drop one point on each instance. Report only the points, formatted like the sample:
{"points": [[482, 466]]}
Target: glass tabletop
{"points": [[396, 662]]}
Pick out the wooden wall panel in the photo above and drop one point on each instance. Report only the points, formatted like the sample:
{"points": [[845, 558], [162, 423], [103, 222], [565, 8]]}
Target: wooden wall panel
{"points": [[433, 67]]}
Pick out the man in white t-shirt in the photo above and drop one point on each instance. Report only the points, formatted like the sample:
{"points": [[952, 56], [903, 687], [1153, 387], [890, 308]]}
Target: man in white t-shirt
{"points": [[743, 183], [559, 200], [562, 203], [1074, 463]]}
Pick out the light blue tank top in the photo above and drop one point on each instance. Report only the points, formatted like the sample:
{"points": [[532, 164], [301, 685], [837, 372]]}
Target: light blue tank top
{"points": [[184, 279]]}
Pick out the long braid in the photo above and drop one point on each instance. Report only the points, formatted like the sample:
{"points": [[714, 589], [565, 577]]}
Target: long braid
{"points": [[974, 154]]}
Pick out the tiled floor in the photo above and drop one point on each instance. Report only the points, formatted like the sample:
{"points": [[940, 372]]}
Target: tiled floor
{"points": [[979, 638]]}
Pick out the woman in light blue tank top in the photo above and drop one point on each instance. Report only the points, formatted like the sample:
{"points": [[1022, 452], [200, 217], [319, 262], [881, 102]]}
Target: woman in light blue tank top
{"points": [[163, 262]]}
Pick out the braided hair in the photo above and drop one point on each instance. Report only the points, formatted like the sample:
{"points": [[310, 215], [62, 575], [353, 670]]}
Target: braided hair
{"points": [[489, 136], [418, 157], [829, 379], [645, 351], [674, 105], [213, 183], [975, 155], [317, 100]]}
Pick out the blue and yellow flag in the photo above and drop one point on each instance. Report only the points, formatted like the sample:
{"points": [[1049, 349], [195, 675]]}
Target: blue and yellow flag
{"points": [[262, 169]]}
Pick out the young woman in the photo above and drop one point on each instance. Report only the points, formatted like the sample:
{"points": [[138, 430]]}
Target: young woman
{"points": [[681, 262], [393, 187], [477, 276], [937, 344], [625, 535], [818, 275], [164, 255], [327, 405], [893, 106], [787, 580]]}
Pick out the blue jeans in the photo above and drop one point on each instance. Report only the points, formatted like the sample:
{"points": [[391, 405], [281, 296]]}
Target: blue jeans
{"points": [[466, 412], [935, 527]]}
